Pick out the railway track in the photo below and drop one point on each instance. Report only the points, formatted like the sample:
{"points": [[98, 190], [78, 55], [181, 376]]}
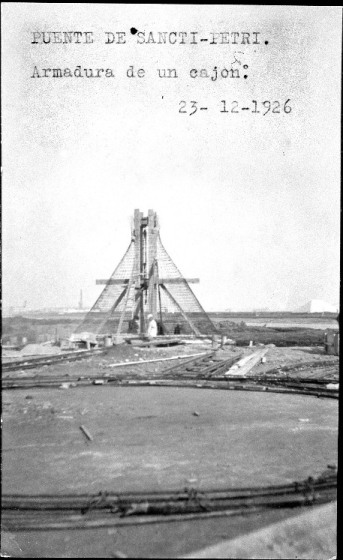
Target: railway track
{"points": [[315, 388], [31, 363], [72, 511], [205, 366], [25, 513], [206, 371], [318, 366]]}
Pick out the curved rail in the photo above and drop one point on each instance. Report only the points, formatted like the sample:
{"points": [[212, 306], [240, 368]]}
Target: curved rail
{"points": [[25, 513], [312, 386], [70, 511], [30, 363]]}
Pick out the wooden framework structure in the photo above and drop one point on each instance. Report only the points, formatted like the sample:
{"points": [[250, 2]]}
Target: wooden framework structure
{"points": [[145, 280]]}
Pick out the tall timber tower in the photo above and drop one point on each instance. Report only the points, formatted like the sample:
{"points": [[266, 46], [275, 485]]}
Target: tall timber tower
{"points": [[146, 281]]}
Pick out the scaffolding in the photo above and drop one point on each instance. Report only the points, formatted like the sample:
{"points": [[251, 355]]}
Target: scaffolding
{"points": [[146, 281]]}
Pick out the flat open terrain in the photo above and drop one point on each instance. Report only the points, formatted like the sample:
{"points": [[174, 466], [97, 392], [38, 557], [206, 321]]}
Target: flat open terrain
{"points": [[282, 329], [149, 438]]}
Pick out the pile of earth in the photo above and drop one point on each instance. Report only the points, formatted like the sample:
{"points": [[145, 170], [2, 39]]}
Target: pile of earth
{"points": [[280, 336]]}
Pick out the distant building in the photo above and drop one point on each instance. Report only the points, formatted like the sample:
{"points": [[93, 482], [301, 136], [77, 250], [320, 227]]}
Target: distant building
{"points": [[318, 306], [24, 311]]}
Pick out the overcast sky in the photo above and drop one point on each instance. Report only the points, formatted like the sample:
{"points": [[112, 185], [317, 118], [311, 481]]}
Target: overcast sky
{"points": [[248, 203]]}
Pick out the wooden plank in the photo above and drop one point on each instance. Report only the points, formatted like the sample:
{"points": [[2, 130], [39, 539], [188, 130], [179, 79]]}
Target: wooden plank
{"points": [[179, 280], [157, 342], [121, 364], [86, 432], [111, 281], [247, 363], [122, 316]]}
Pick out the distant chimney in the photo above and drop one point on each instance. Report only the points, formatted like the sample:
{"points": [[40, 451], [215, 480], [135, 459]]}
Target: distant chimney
{"points": [[81, 300]]}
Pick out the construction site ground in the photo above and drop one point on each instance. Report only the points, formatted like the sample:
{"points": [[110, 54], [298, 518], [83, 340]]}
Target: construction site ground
{"points": [[146, 438]]}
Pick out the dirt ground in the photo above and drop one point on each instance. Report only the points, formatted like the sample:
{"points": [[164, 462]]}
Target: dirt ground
{"points": [[122, 353], [157, 540], [283, 329], [149, 438]]}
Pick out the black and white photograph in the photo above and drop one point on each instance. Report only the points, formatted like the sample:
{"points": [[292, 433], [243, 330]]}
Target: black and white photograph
{"points": [[170, 280]]}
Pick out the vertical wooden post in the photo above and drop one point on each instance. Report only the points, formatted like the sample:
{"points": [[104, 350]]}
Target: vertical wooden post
{"points": [[138, 268], [122, 316], [152, 253], [145, 274]]}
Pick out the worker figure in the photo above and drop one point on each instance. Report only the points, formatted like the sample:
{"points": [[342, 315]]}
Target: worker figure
{"points": [[152, 327]]}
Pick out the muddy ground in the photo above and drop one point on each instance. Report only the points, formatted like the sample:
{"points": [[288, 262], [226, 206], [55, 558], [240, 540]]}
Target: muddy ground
{"points": [[280, 329], [149, 438]]}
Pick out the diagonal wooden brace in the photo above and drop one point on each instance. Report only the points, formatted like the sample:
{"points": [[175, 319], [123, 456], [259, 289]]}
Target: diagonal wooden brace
{"points": [[192, 326]]}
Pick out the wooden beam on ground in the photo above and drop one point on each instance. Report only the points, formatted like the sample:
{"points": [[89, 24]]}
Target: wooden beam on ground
{"points": [[247, 363], [121, 364]]}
